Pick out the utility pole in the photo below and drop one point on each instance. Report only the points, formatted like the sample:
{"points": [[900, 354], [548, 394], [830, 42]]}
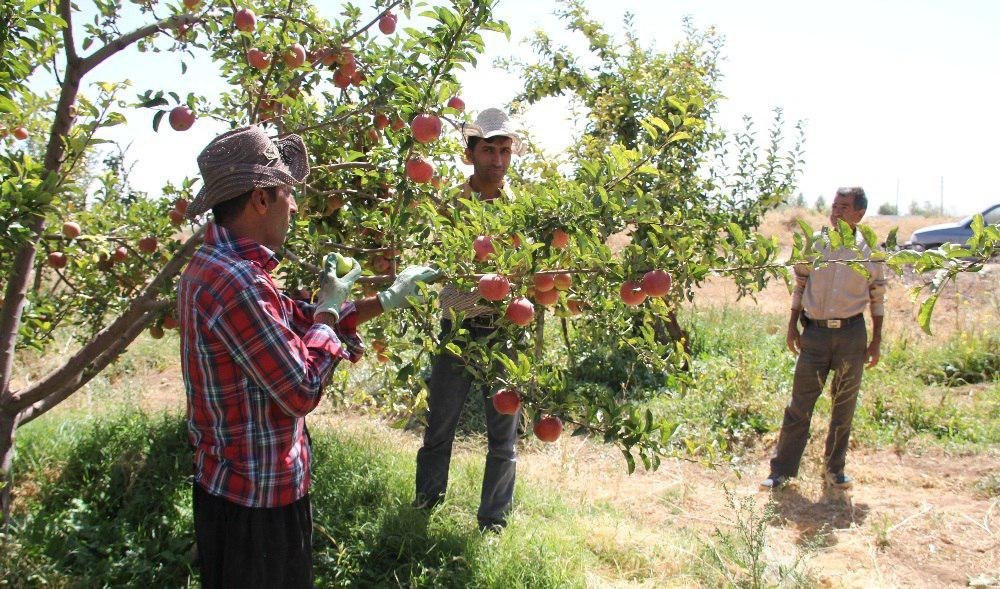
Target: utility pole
{"points": [[897, 195], [942, 196]]}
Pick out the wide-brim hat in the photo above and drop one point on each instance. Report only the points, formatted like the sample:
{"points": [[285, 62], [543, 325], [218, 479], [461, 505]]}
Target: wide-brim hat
{"points": [[243, 159], [493, 122]]}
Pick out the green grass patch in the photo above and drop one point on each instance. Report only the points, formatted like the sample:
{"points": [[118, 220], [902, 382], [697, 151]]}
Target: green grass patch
{"points": [[109, 503]]}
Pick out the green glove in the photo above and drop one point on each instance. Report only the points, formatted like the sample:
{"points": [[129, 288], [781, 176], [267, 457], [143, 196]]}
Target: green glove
{"points": [[405, 286], [335, 287]]}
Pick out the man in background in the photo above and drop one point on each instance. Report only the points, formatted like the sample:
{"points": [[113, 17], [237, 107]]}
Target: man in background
{"points": [[830, 301]]}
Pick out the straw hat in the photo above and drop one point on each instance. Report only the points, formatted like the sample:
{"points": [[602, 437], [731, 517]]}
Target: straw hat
{"points": [[244, 159], [493, 122]]}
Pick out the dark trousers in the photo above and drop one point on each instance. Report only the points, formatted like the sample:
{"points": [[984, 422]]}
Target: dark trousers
{"points": [[252, 546], [449, 386], [823, 349]]}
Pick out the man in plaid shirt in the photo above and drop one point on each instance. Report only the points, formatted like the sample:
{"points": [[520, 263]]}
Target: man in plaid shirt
{"points": [[255, 363]]}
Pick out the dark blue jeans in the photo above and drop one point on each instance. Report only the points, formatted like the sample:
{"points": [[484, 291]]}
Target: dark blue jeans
{"points": [[839, 350], [449, 386]]}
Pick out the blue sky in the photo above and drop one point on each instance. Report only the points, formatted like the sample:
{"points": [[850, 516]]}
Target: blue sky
{"points": [[891, 91]]}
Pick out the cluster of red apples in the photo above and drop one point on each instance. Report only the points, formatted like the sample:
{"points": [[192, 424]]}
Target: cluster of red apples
{"points": [[508, 401]]}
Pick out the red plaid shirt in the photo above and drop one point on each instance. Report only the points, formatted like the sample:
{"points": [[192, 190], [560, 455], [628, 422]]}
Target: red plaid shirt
{"points": [[254, 365]]}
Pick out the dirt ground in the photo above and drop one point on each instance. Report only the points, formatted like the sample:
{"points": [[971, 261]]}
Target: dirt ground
{"points": [[911, 521]]}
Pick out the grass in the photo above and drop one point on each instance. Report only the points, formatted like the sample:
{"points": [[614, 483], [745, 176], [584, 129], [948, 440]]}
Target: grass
{"points": [[109, 501], [104, 489]]}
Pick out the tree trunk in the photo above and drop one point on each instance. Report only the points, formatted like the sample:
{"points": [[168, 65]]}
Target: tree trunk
{"points": [[8, 426]]}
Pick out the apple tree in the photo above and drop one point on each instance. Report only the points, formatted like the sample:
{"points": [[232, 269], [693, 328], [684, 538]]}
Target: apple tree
{"points": [[86, 255]]}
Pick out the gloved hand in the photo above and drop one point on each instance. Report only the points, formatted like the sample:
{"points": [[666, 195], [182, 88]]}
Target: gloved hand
{"points": [[405, 286], [333, 289]]}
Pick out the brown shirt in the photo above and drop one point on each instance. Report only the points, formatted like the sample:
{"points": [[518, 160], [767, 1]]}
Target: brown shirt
{"points": [[464, 301], [837, 291]]}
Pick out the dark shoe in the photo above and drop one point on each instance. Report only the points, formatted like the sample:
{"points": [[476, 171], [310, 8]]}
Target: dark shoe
{"points": [[838, 480], [774, 482], [492, 526]]}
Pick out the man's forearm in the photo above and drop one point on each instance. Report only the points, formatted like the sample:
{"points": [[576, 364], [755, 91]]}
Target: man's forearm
{"points": [[877, 328], [793, 317], [368, 308]]}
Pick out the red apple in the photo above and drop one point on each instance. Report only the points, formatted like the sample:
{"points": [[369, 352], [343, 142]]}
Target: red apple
{"points": [[506, 401], [57, 259], [170, 322], [387, 24], [631, 293], [120, 254], [381, 264], [548, 428], [425, 127], [176, 217], [71, 229], [245, 19], [656, 283], [372, 135], [191, 4], [378, 345], [547, 297], [560, 239], [575, 306], [419, 170], [294, 56], [342, 78], [544, 282], [258, 59], [346, 60], [383, 358], [358, 78], [494, 287], [20, 133], [397, 124], [181, 204], [483, 246], [456, 103], [381, 121], [563, 280], [181, 118], [520, 311], [147, 244], [156, 331]]}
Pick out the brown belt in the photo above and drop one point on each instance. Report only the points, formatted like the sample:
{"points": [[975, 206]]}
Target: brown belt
{"points": [[834, 323]]}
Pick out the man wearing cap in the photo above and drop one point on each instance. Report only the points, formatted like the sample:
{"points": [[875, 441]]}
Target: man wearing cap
{"points": [[490, 142], [830, 302], [255, 363]]}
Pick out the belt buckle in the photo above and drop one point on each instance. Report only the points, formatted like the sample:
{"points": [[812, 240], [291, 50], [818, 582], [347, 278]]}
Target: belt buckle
{"points": [[834, 323]]}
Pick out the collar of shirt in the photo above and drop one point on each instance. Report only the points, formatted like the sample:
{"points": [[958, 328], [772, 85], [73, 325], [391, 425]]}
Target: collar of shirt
{"points": [[845, 252], [244, 247], [505, 190]]}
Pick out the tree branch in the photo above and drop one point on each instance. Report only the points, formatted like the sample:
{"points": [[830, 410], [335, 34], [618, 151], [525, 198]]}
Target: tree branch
{"points": [[71, 373], [93, 60], [66, 13]]}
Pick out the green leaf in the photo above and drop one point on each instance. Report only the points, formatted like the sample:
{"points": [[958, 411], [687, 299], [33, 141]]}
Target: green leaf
{"points": [[663, 125], [650, 129], [869, 234], [891, 240], [737, 233], [157, 118], [453, 348], [926, 310], [860, 269], [629, 460], [8, 106], [680, 136]]}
